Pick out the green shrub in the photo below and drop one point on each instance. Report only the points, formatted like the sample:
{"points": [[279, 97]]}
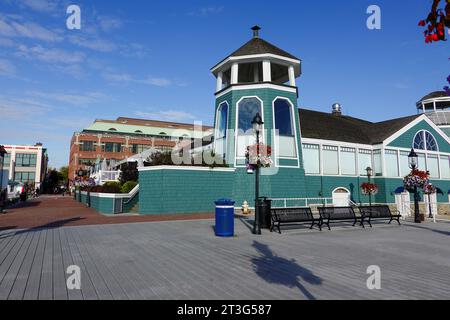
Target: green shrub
{"points": [[128, 186]]}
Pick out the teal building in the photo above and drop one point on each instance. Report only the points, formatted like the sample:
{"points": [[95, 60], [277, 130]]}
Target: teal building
{"points": [[318, 157]]}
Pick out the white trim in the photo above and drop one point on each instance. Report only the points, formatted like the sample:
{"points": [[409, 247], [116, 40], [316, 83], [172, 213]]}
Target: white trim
{"points": [[422, 117], [255, 56], [190, 168], [236, 128], [226, 127], [256, 86], [294, 121]]}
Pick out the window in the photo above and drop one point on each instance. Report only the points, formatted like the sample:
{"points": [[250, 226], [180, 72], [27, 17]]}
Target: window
{"points": [[7, 160], [221, 130], [391, 160], [279, 73], [348, 161], [138, 131], [311, 158], [250, 72], [377, 167], [87, 146], [404, 163], [112, 129], [330, 160], [112, 147], [247, 109], [364, 161], [138, 148], [421, 162], [424, 140], [445, 167], [285, 125], [433, 165], [24, 176], [86, 162], [25, 160]]}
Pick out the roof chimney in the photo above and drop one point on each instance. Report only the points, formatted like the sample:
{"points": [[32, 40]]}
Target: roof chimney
{"points": [[256, 31], [336, 109], [38, 144]]}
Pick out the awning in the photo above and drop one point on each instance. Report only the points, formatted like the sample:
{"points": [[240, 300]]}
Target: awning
{"points": [[401, 190]]}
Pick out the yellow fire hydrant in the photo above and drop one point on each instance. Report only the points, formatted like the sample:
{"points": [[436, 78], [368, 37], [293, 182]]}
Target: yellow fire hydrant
{"points": [[245, 209]]}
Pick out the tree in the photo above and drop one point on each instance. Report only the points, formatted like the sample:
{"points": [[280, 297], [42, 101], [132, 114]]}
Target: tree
{"points": [[128, 172], [437, 20], [65, 174]]}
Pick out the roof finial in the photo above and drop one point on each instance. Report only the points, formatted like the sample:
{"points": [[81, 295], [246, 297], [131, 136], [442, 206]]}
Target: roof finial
{"points": [[256, 31]]}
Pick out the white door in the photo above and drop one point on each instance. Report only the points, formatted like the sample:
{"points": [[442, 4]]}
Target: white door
{"points": [[433, 206], [403, 203], [341, 197]]}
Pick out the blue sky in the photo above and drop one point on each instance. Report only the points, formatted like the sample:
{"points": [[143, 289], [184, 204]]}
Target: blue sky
{"points": [[151, 59]]}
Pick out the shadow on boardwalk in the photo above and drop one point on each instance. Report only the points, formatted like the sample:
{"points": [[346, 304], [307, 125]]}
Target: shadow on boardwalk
{"points": [[278, 270], [51, 225]]}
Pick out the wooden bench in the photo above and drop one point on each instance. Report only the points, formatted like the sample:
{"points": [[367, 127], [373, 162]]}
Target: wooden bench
{"points": [[328, 214], [293, 215], [378, 212]]}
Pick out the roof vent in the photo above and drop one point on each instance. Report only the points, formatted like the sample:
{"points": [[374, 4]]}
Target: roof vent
{"points": [[256, 31], [336, 109]]}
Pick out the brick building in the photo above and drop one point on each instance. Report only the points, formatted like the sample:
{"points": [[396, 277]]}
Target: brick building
{"points": [[121, 138]]}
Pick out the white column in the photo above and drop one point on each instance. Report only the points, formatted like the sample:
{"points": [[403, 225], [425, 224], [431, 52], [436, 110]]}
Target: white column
{"points": [[37, 174], [267, 74], [219, 81], [291, 76], [234, 73]]}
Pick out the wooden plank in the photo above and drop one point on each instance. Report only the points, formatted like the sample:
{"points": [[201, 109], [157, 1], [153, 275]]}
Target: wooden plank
{"points": [[34, 279], [11, 274], [73, 294], [20, 284], [46, 285], [59, 270]]}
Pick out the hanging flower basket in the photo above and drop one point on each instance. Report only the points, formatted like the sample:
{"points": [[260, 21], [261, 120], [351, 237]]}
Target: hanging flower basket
{"points": [[369, 188], [429, 189], [417, 179], [258, 155]]}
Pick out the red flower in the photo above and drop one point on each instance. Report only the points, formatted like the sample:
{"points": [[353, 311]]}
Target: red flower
{"points": [[422, 23]]}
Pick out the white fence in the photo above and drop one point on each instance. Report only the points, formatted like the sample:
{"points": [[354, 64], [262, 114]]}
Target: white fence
{"points": [[300, 202]]}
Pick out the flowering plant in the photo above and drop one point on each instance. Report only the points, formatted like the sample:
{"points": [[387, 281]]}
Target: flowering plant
{"points": [[417, 179], [258, 154], [369, 188], [429, 189], [84, 182]]}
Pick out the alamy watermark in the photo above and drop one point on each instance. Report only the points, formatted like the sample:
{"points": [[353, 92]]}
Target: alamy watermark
{"points": [[74, 279], [374, 20], [73, 21], [374, 280]]}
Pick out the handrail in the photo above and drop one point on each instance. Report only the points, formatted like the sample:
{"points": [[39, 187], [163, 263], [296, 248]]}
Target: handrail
{"points": [[132, 194], [307, 201]]}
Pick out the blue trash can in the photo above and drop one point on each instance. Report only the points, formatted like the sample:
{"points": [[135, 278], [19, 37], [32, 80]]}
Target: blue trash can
{"points": [[224, 218]]}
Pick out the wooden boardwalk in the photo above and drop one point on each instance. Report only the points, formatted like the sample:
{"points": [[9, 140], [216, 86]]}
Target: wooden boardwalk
{"points": [[184, 260]]}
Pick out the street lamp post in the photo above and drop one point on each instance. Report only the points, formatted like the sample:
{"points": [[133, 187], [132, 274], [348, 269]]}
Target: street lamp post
{"points": [[369, 174], [2, 193], [412, 161], [257, 126]]}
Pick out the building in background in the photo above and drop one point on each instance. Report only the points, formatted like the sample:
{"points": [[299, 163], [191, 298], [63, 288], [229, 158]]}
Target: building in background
{"points": [[116, 140], [436, 106], [26, 164]]}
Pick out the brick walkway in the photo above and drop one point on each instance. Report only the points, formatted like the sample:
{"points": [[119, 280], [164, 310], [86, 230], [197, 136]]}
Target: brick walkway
{"points": [[55, 211]]}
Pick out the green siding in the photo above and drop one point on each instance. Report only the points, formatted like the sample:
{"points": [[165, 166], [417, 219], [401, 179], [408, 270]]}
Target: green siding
{"points": [[406, 139]]}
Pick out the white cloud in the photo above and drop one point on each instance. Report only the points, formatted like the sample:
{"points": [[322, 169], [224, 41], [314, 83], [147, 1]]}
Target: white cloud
{"points": [[109, 23], [152, 81], [206, 11], [159, 82], [52, 55], [7, 68], [169, 115], [17, 109], [5, 42], [31, 30], [96, 44], [46, 6], [71, 99]]}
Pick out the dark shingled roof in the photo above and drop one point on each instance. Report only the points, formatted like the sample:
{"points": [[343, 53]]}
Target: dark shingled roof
{"points": [[435, 94], [259, 46], [321, 125]]}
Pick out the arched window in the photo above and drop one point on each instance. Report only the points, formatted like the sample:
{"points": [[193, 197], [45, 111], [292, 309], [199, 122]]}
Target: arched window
{"points": [[284, 124], [112, 129], [424, 140], [138, 131], [247, 109], [221, 128]]}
